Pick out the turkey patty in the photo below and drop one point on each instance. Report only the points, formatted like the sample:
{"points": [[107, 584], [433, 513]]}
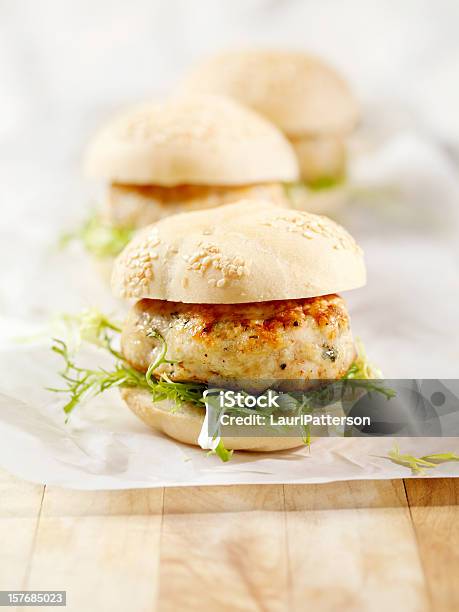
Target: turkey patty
{"points": [[137, 206], [276, 341]]}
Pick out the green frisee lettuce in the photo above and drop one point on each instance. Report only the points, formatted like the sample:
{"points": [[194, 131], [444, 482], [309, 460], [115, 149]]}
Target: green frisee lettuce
{"points": [[99, 237], [418, 465], [323, 183], [93, 327]]}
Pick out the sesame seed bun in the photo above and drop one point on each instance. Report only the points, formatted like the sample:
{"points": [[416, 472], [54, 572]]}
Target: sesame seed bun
{"points": [[250, 251], [200, 140], [298, 92], [185, 422]]}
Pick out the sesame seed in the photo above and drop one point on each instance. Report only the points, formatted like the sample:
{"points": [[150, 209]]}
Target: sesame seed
{"points": [[209, 257], [310, 225]]}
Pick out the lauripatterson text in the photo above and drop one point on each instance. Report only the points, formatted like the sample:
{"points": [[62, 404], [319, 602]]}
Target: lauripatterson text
{"points": [[303, 420]]}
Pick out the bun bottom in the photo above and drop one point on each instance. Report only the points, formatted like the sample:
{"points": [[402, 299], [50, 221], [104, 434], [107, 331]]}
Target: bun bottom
{"points": [[184, 424]]}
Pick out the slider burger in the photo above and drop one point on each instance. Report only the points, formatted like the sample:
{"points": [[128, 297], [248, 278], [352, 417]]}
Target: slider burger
{"points": [[247, 291], [185, 154], [306, 98]]}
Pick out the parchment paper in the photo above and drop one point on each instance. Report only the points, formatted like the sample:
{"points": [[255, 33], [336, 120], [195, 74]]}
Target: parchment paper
{"points": [[407, 316]]}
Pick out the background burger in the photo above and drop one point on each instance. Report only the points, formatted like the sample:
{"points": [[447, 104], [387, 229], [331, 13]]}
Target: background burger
{"points": [[183, 155], [306, 98], [247, 290]]}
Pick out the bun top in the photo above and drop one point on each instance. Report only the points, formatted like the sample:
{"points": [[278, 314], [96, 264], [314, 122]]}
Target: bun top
{"points": [[201, 140], [298, 92], [250, 251]]}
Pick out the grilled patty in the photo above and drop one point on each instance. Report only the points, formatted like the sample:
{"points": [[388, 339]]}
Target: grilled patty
{"points": [[137, 206], [275, 341]]}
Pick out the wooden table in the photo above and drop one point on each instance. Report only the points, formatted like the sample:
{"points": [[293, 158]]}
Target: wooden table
{"points": [[374, 545]]}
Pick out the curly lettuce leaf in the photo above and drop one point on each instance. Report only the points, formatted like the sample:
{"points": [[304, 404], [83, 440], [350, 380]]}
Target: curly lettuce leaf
{"points": [[362, 368], [95, 328], [418, 465], [83, 383], [323, 183], [222, 452], [100, 238], [90, 326]]}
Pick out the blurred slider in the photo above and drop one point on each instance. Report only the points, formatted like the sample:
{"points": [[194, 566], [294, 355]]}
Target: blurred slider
{"points": [[306, 98]]}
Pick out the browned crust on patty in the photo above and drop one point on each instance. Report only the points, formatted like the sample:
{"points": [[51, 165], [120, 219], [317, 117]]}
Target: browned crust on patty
{"points": [[293, 339]]}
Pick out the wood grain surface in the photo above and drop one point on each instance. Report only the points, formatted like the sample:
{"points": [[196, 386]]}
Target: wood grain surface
{"points": [[347, 546]]}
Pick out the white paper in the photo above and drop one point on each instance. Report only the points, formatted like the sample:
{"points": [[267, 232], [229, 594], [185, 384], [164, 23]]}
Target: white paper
{"points": [[103, 446], [407, 316], [405, 216]]}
